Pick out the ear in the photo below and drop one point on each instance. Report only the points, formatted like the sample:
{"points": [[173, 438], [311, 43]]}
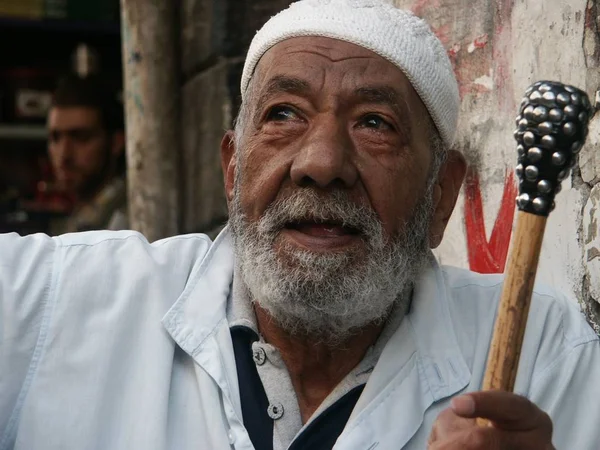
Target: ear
{"points": [[117, 143], [228, 163], [445, 194]]}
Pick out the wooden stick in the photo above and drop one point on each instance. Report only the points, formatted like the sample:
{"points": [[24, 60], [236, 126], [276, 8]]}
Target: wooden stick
{"points": [[505, 349], [546, 153]]}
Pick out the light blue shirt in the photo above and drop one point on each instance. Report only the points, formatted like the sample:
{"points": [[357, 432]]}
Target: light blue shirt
{"points": [[107, 341]]}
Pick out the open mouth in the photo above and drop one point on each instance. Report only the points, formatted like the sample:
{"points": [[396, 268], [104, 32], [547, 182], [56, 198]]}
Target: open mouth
{"points": [[322, 229]]}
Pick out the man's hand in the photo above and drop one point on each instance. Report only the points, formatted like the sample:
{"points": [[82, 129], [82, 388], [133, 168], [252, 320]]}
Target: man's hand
{"points": [[516, 424]]}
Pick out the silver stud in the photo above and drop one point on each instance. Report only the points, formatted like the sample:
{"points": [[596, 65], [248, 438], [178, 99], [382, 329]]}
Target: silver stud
{"points": [[523, 200], [570, 89], [548, 141], [517, 119], [558, 158], [520, 150], [544, 88], [558, 188], [563, 174], [539, 204], [552, 206], [519, 170], [540, 113], [529, 91], [569, 128], [528, 112], [570, 111], [516, 134], [531, 173], [544, 186], [524, 101], [534, 154], [528, 138], [572, 163], [582, 117], [585, 101], [576, 99], [537, 84], [549, 98], [545, 128], [555, 115], [576, 147], [535, 96], [523, 124], [563, 99]]}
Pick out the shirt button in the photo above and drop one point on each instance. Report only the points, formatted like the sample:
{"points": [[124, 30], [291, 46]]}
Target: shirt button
{"points": [[259, 356], [275, 411]]}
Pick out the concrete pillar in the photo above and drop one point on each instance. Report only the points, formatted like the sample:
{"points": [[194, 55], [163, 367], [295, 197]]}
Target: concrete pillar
{"points": [[152, 105]]}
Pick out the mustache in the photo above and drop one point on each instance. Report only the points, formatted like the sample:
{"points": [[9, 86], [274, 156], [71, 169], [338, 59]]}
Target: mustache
{"points": [[307, 205]]}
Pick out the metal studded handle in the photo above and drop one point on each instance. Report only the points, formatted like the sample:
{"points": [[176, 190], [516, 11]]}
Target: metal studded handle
{"points": [[552, 127]]}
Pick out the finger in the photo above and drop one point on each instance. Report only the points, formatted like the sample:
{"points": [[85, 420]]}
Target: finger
{"points": [[447, 423], [490, 438], [507, 410], [475, 438]]}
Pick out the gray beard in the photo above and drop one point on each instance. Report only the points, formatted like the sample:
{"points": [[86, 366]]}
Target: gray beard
{"points": [[328, 297]]}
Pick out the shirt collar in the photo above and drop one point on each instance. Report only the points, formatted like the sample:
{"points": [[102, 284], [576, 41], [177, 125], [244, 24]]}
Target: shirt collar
{"points": [[426, 340], [201, 307], [239, 306]]}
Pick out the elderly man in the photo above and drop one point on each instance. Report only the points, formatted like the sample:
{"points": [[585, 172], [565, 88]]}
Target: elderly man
{"points": [[319, 318]]}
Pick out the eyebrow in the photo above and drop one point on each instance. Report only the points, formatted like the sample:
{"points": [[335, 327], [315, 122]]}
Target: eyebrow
{"points": [[281, 84], [286, 84]]}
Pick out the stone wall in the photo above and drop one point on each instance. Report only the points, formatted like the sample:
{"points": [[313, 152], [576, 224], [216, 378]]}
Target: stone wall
{"points": [[215, 35]]}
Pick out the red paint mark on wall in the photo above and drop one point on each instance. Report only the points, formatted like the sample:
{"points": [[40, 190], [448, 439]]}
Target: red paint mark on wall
{"points": [[484, 256], [453, 51], [480, 41]]}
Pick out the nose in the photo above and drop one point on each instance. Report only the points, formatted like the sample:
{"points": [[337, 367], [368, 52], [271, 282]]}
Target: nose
{"points": [[325, 158], [61, 148]]}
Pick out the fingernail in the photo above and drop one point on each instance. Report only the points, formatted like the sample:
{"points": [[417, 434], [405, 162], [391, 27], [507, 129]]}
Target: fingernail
{"points": [[463, 405]]}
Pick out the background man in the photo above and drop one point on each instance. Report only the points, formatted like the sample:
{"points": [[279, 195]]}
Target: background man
{"points": [[86, 148], [319, 318]]}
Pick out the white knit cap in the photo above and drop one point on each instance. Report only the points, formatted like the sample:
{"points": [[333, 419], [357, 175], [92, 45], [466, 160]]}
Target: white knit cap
{"points": [[377, 25]]}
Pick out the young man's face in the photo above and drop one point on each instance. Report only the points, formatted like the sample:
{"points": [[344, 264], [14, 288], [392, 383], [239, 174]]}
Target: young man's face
{"points": [[80, 149]]}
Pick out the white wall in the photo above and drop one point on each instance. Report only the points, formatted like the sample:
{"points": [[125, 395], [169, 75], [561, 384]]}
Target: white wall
{"points": [[499, 48]]}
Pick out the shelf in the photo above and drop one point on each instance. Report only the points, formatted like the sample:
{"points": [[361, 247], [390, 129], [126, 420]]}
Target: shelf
{"points": [[65, 25], [23, 132]]}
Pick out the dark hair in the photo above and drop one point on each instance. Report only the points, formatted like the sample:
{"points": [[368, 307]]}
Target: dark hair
{"points": [[93, 91]]}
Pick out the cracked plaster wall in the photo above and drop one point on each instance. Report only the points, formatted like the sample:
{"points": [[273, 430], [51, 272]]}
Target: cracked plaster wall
{"points": [[498, 48]]}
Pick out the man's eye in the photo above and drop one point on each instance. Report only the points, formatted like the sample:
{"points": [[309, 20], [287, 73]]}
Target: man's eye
{"points": [[376, 122], [82, 136], [281, 114]]}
